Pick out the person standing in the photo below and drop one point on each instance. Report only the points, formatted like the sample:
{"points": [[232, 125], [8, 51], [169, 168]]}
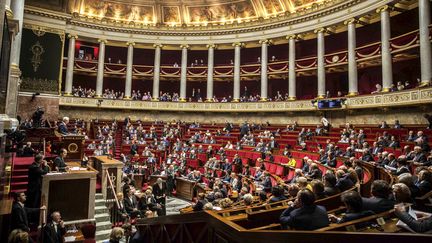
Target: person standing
{"points": [[159, 192], [20, 213], [59, 162], [34, 189]]}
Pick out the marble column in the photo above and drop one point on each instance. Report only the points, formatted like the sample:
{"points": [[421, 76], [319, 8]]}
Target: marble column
{"points": [[264, 63], [100, 69], [183, 74], [321, 63], [129, 63], [17, 8], [352, 62], [236, 93], [156, 71], [18, 12], [425, 43], [70, 65], [291, 67], [210, 71], [386, 57]]}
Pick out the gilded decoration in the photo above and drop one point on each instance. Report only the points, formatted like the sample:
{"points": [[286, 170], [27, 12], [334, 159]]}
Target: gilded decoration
{"points": [[191, 12], [36, 60]]}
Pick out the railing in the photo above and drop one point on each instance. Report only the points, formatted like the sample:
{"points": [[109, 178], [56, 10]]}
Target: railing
{"points": [[111, 200]]}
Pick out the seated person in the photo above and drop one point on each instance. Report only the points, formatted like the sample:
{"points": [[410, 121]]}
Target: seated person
{"points": [[28, 151], [380, 200], [199, 205], [62, 127], [130, 203], [303, 214], [354, 204], [330, 181], [277, 194], [424, 182], [423, 225], [54, 230]]}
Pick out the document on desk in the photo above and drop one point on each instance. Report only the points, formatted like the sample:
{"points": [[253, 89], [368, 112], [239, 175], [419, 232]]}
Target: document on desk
{"points": [[69, 238]]}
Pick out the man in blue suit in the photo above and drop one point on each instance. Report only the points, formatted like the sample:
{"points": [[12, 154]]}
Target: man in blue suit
{"points": [[62, 128]]}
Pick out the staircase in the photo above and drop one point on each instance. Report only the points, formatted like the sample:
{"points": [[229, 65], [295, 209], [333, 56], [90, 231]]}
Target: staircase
{"points": [[19, 179], [103, 223]]}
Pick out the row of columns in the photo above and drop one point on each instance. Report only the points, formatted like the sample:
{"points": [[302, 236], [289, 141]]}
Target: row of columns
{"points": [[386, 58]]}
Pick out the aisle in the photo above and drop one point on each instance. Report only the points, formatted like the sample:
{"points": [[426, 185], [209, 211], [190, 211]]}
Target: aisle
{"points": [[173, 205]]}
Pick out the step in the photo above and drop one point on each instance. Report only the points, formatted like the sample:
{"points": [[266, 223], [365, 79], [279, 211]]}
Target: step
{"points": [[102, 217], [103, 226], [101, 209], [103, 235], [99, 196], [20, 172], [99, 202], [19, 178]]}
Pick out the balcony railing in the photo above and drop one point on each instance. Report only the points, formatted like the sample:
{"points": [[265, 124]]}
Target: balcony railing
{"points": [[416, 96]]}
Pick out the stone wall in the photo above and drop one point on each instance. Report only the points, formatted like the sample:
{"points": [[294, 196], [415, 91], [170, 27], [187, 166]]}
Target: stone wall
{"points": [[27, 106], [406, 115]]}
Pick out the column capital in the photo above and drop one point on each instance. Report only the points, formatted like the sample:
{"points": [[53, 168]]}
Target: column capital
{"points": [[235, 44], [351, 21], [294, 37], [102, 41], [214, 46], [322, 30], [130, 43], [70, 36], [184, 46], [266, 41], [157, 45], [383, 9]]}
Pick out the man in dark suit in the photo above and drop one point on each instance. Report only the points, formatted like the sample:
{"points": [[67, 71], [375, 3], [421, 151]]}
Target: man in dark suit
{"points": [[36, 170], [130, 203], [379, 202], [54, 231], [20, 212], [159, 192], [303, 214], [59, 162], [62, 128], [200, 203], [315, 172], [266, 183]]}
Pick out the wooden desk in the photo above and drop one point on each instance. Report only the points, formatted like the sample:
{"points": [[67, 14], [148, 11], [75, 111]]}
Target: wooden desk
{"points": [[114, 168], [74, 144], [72, 193], [185, 188], [79, 237]]}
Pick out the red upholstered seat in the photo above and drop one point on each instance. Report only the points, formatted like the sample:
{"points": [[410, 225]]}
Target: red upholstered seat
{"points": [[279, 170]]}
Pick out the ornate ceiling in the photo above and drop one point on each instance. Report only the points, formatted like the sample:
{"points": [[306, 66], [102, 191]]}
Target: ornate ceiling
{"points": [[181, 12]]}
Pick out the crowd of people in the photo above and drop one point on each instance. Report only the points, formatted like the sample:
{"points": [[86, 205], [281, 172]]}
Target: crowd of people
{"points": [[231, 183], [196, 96]]}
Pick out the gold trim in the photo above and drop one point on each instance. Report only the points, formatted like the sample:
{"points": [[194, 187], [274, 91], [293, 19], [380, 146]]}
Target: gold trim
{"points": [[382, 9], [214, 46], [184, 46], [263, 99], [155, 99], [425, 83], [385, 90], [67, 94], [9, 13], [127, 98], [235, 100], [62, 38], [72, 148], [182, 99], [43, 29], [320, 96], [292, 98], [350, 94]]}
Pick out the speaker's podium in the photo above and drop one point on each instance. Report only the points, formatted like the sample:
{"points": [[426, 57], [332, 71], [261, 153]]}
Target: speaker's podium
{"points": [[74, 144], [72, 193]]}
